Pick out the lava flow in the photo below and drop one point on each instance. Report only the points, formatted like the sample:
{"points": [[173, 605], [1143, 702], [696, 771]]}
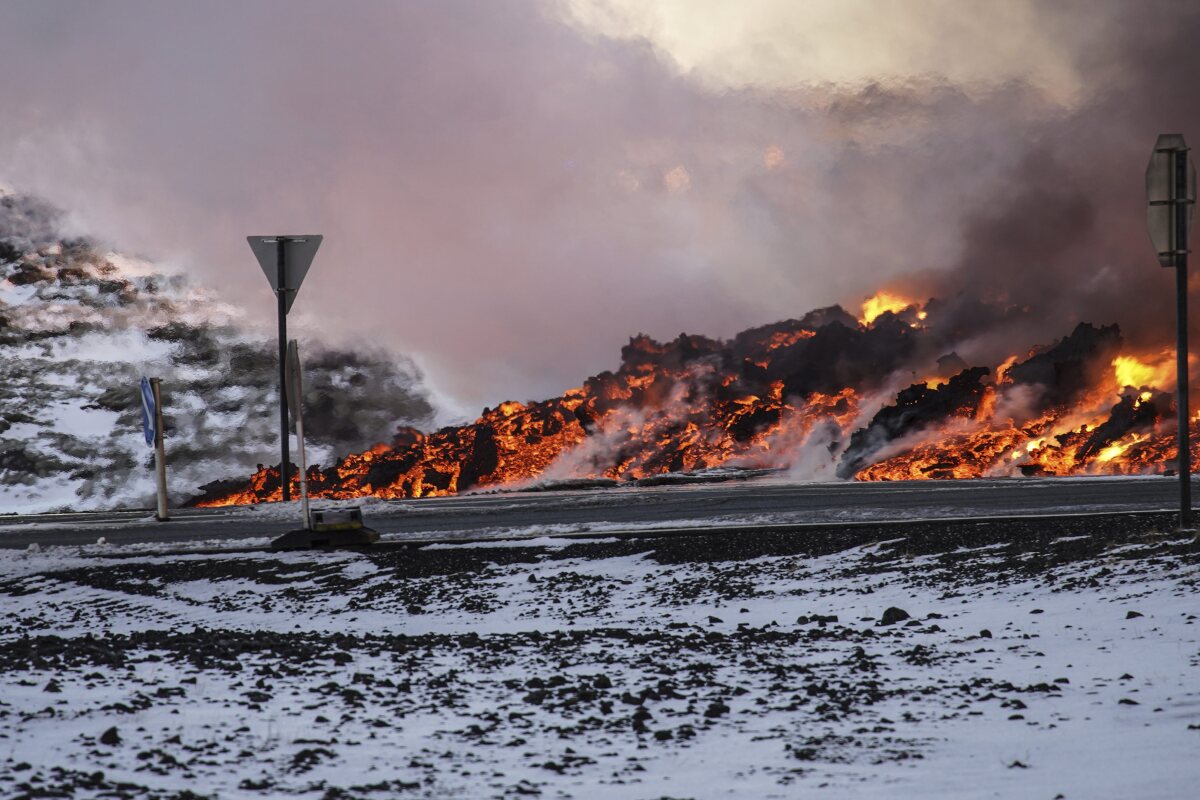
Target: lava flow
{"points": [[879, 397]]}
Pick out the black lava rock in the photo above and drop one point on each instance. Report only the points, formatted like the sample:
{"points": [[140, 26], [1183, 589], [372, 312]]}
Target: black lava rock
{"points": [[716, 709]]}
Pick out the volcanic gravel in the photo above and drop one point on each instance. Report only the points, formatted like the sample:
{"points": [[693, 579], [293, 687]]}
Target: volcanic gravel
{"points": [[755, 666]]}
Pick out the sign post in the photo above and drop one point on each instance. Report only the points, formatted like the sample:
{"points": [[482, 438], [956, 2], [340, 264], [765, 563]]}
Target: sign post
{"points": [[285, 261], [152, 426], [295, 400], [1171, 206]]}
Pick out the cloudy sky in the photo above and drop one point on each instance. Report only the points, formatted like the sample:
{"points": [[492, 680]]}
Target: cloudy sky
{"points": [[509, 189]]}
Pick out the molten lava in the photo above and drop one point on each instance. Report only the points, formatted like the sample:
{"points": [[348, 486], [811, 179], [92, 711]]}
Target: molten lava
{"points": [[825, 394]]}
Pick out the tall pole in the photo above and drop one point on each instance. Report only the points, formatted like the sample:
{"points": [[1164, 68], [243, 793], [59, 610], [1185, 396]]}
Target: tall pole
{"points": [[285, 464], [1179, 168]]}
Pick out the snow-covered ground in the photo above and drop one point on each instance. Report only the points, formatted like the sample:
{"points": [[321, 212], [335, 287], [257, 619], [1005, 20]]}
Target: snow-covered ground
{"points": [[617, 669]]}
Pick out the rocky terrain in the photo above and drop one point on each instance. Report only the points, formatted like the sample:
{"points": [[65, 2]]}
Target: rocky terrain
{"points": [[79, 326], [982, 664]]}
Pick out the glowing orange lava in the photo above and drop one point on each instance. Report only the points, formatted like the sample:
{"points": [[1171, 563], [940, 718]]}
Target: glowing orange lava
{"points": [[813, 386]]}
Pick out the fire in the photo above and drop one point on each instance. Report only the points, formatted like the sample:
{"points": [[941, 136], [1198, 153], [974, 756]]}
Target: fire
{"points": [[821, 387], [1135, 372], [1116, 449], [882, 302], [1005, 366]]}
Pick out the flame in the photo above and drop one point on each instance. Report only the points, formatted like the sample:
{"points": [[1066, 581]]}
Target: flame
{"points": [[1157, 370], [1116, 449], [881, 302], [1005, 366]]}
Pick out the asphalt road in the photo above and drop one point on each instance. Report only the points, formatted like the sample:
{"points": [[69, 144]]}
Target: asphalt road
{"points": [[734, 504]]}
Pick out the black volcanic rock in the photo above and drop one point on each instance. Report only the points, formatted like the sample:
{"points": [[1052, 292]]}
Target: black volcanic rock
{"points": [[1130, 414], [837, 356], [916, 408], [1071, 365]]}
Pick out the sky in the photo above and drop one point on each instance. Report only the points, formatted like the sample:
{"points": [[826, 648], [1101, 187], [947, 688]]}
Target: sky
{"points": [[510, 189]]}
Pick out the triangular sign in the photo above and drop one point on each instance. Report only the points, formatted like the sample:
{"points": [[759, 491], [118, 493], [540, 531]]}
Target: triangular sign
{"points": [[298, 253]]}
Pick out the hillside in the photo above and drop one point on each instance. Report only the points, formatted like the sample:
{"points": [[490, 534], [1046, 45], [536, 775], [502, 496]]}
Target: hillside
{"points": [[80, 324]]}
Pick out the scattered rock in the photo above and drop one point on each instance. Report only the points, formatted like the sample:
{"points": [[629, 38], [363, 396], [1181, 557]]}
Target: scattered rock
{"points": [[893, 615], [110, 737], [716, 709]]}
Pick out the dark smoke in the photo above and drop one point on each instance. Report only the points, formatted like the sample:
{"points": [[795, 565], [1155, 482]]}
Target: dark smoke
{"points": [[1061, 234]]}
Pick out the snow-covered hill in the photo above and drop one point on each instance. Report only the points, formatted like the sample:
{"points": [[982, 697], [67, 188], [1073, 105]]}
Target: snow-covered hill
{"points": [[79, 325]]}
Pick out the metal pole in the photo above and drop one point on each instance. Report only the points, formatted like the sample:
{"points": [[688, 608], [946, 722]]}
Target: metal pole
{"points": [[1179, 164], [160, 451], [285, 463]]}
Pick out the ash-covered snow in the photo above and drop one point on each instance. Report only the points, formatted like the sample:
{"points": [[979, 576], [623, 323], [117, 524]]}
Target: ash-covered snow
{"points": [[1060, 667], [80, 325]]}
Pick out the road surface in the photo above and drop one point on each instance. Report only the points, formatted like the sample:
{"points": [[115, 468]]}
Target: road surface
{"points": [[735, 504]]}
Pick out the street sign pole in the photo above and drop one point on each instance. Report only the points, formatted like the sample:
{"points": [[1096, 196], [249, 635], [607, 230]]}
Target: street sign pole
{"points": [[1179, 169], [285, 464], [1171, 204], [285, 261]]}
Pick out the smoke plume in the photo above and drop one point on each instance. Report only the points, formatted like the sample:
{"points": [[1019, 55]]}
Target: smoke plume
{"points": [[507, 192]]}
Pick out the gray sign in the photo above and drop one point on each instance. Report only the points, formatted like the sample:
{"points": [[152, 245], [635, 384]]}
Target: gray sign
{"points": [[1161, 183], [298, 253]]}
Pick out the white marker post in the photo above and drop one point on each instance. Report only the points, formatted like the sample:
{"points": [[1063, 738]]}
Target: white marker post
{"points": [[295, 399]]}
